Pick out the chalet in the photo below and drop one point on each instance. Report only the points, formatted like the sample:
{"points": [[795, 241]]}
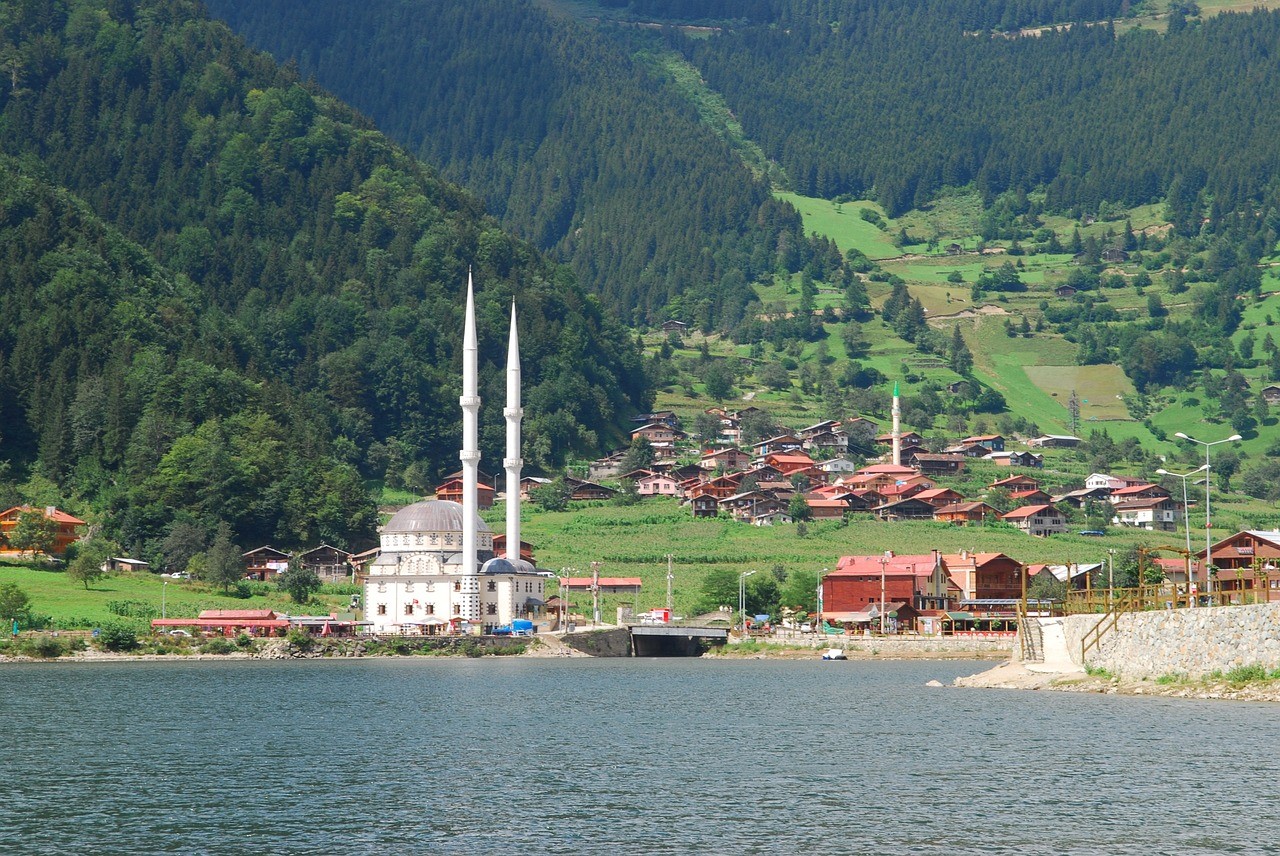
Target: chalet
{"points": [[721, 486], [1054, 441], [744, 506], [862, 499], [657, 484], [1109, 482], [688, 471], [940, 496], [905, 509], [725, 459], [969, 450], [836, 441], [905, 490], [1113, 255], [772, 517], [115, 564], [1033, 496], [822, 427], [674, 326], [936, 464], [66, 527], [607, 585], [452, 492], [666, 417], [582, 491], [964, 513], [838, 466], [328, 563], [481, 476], [659, 434], [1136, 492], [790, 462], [781, 443], [985, 576], [1078, 573], [1080, 498], [529, 483], [1013, 483], [704, 505], [1065, 290], [1015, 459], [636, 475], [909, 439], [1155, 513], [1242, 559], [265, 563], [1271, 394], [823, 508], [954, 249], [859, 582], [607, 467], [990, 442], [1038, 520], [500, 548]]}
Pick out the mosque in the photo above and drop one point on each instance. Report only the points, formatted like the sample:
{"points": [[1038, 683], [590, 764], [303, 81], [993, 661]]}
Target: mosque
{"points": [[436, 571]]}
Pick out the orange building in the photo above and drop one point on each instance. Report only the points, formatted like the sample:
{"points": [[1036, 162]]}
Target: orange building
{"points": [[67, 526]]}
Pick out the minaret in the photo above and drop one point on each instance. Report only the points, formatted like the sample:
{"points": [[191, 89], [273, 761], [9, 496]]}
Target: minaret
{"points": [[470, 456], [513, 462], [897, 427]]}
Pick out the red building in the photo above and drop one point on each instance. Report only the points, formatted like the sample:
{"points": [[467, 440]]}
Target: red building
{"points": [[66, 533], [855, 584], [452, 492], [985, 576]]}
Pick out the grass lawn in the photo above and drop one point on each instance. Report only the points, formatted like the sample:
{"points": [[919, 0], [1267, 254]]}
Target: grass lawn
{"points": [[54, 594], [1098, 387], [842, 224]]}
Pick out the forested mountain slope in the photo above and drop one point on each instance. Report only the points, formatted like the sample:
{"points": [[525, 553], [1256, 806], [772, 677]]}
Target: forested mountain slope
{"points": [[900, 98], [257, 303], [568, 141]]}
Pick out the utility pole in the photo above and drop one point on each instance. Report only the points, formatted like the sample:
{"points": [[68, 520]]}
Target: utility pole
{"points": [[671, 608], [883, 560], [595, 594]]}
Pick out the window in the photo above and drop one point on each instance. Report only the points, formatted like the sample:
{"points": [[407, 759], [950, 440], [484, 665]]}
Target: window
{"points": [[382, 609], [493, 586], [457, 609], [429, 609], [408, 609], [491, 609], [408, 587], [417, 539], [457, 585], [433, 539]]}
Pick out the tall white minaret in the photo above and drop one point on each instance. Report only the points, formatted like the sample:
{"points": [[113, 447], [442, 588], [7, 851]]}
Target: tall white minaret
{"points": [[513, 462], [470, 456], [897, 427]]}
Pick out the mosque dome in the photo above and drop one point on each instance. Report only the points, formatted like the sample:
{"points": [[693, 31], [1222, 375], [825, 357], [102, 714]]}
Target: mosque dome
{"points": [[497, 566], [432, 515]]}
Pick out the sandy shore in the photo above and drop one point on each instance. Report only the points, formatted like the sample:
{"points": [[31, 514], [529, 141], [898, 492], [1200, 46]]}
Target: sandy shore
{"points": [[1014, 676]]}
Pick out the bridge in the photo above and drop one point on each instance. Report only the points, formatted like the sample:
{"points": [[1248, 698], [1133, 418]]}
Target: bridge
{"points": [[674, 640]]}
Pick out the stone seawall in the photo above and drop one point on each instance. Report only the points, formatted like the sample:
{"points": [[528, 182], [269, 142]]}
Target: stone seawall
{"points": [[1190, 642], [890, 647]]}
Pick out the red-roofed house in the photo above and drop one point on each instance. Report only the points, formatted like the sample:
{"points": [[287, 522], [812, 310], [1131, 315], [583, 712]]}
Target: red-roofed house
{"points": [[1159, 512], [990, 442], [727, 459], [66, 532], [789, 462], [1033, 496], [964, 513], [822, 508], [229, 622], [940, 496], [1016, 483], [657, 484], [452, 491], [1037, 520], [855, 584], [608, 585], [985, 575], [1137, 491]]}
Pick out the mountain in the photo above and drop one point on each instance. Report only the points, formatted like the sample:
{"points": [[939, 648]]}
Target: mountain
{"points": [[572, 137], [227, 297]]}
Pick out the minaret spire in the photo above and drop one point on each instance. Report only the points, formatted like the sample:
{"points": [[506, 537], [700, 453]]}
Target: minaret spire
{"points": [[513, 462], [470, 456], [897, 427]]}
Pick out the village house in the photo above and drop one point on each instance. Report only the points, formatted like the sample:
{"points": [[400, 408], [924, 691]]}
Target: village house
{"points": [[965, 513], [451, 491], [1248, 561], [834, 441], [935, 464], [1271, 394], [781, 443], [990, 442], [1012, 483], [1078, 572], [1103, 481], [666, 417], [115, 564], [859, 582], [607, 585], [862, 499], [1065, 290], [1137, 491], [657, 484], [1032, 496], [909, 439], [940, 496], [659, 434], [529, 483], [66, 527], [607, 467], [704, 505], [1155, 513], [500, 548], [968, 450], [1038, 520], [1054, 441], [789, 463], [824, 508], [673, 326], [327, 562], [1080, 498], [771, 518], [985, 576], [265, 563], [1015, 459], [725, 459], [838, 466], [905, 509], [583, 491]]}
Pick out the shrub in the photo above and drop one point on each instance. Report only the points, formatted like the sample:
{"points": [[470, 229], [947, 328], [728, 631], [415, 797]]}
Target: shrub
{"points": [[117, 637], [43, 647], [1244, 674], [218, 645], [244, 641], [300, 639]]}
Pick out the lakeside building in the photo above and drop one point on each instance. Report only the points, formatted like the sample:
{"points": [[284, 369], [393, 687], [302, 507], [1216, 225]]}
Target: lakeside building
{"points": [[66, 527], [437, 570]]}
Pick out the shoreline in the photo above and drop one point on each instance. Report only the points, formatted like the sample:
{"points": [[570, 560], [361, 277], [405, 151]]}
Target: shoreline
{"points": [[1011, 675]]}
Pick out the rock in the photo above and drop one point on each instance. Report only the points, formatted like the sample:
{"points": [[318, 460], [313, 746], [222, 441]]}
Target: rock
{"points": [[934, 683]]}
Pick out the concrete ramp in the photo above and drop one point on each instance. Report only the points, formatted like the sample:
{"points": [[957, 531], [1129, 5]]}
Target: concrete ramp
{"points": [[1057, 659]]}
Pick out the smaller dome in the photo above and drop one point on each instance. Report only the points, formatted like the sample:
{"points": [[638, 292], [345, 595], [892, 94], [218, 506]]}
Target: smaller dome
{"points": [[525, 567], [497, 566]]}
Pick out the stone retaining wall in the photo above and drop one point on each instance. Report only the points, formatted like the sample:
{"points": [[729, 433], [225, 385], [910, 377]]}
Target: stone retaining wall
{"points": [[898, 646], [1192, 642]]}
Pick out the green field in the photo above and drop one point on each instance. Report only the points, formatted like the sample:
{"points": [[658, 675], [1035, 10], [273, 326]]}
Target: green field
{"points": [[1099, 388], [842, 224]]}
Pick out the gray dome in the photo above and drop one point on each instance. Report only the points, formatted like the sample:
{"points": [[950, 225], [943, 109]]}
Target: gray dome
{"points": [[432, 515], [497, 566], [525, 567]]}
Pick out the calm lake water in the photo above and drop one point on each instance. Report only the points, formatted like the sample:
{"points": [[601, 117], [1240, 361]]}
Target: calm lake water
{"points": [[630, 756]]}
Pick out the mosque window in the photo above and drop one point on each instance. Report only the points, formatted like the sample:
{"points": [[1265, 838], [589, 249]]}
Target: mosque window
{"points": [[382, 588], [408, 609], [457, 585], [492, 609], [417, 539], [429, 609], [457, 609], [433, 539], [382, 609], [430, 586], [493, 586], [448, 540]]}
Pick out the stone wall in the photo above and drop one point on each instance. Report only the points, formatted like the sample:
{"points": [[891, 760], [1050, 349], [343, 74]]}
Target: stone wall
{"points": [[614, 642], [1192, 642], [898, 646]]}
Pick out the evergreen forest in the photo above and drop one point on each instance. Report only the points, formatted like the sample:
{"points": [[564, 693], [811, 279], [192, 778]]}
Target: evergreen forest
{"points": [[225, 298]]}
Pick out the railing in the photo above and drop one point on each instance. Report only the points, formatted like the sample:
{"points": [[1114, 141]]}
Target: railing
{"points": [[1031, 653]]}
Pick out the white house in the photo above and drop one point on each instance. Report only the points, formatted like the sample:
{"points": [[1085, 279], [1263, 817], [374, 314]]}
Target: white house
{"points": [[1153, 513]]}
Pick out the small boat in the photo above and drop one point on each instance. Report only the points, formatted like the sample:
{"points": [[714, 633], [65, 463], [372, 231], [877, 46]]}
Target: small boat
{"points": [[834, 654]]}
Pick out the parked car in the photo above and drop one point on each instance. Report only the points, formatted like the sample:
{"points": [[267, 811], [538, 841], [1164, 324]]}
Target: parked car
{"points": [[180, 633], [1096, 533]]}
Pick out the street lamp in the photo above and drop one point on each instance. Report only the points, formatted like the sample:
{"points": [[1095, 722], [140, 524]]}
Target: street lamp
{"points": [[821, 620], [1208, 580], [1186, 520], [742, 598], [164, 592]]}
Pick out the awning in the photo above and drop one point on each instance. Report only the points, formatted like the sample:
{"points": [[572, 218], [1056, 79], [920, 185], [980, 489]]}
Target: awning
{"points": [[848, 617], [533, 601], [961, 616]]}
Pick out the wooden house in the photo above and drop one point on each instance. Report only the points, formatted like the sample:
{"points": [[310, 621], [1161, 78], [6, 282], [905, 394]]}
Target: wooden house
{"points": [[985, 576], [990, 442], [935, 464], [1012, 483], [704, 505], [67, 528], [1038, 520], [905, 509], [265, 563], [966, 513], [582, 491], [727, 459], [940, 496], [451, 491], [327, 562]]}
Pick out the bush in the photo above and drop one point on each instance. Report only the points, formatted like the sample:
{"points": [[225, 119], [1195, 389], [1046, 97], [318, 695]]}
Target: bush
{"points": [[244, 641], [117, 637], [217, 645], [43, 647], [300, 639], [1244, 674]]}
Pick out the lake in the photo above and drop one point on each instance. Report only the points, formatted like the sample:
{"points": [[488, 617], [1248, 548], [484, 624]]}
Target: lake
{"points": [[594, 756]]}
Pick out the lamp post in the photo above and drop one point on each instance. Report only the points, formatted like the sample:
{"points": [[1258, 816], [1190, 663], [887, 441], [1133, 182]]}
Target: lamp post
{"points": [[821, 620], [1208, 579], [883, 561], [1186, 520], [742, 598], [164, 598]]}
